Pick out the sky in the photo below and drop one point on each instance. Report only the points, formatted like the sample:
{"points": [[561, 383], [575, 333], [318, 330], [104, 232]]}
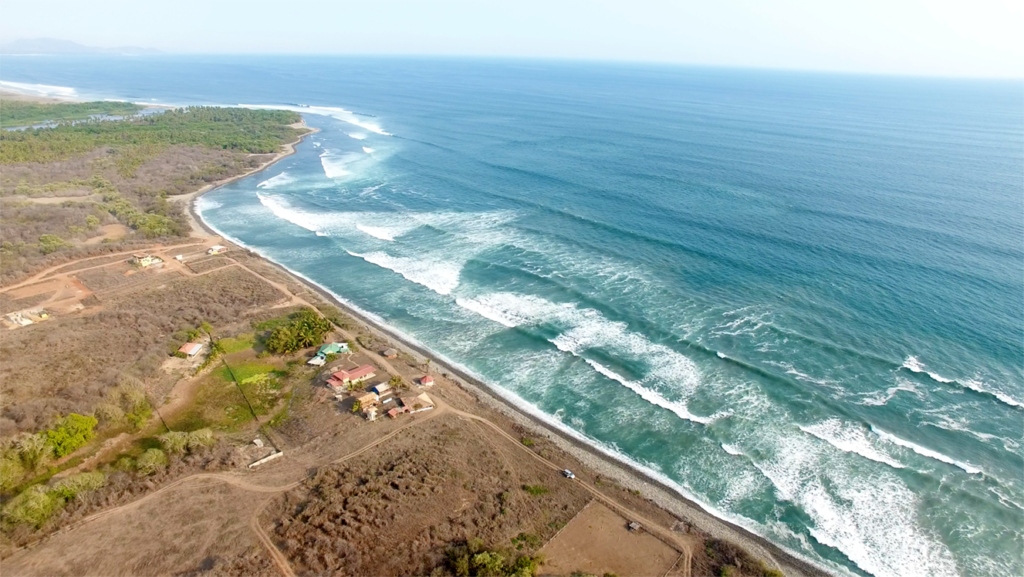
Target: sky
{"points": [[977, 38]]}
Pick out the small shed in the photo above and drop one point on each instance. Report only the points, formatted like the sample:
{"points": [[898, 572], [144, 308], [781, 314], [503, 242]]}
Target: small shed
{"points": [[381, 388], [370, 413], [318, 360], [427, 381], [217, 249], [145, 260], [191, 349], [393, 413], [390, 353]]}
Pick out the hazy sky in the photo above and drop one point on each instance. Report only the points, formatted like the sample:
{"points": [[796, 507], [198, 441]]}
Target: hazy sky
{"points": [[934, 37]]}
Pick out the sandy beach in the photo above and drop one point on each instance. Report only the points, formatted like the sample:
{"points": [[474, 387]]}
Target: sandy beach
{"points": [[691, 514]]}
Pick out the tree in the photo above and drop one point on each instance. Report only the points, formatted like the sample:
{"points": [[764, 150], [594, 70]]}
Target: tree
{"points": [[151, 461], [356, 407], [50, 243], [71, 432]]}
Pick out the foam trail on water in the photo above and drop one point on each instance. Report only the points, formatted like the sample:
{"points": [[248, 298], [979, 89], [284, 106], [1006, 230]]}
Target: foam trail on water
{"points": [[924, 452], [356, 135], [732, 450], [367, 150], [849, 439], [438, 276], [274, 181]]}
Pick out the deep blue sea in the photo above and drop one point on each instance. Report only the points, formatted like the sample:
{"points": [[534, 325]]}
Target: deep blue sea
{"points": [[798, 298]]}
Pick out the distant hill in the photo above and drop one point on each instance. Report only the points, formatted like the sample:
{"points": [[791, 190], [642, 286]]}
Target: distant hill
{"points": [[54, 46]]}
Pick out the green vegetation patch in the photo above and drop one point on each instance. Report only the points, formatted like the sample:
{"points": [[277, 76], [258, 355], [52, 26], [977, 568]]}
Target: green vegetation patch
{"points": [[536, 490], [38, 503], [303, 329], [472, 558], [19, 113], [237, 129], [237, 344]]}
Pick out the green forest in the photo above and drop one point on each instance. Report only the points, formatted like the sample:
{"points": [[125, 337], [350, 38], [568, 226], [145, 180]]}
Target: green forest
{"points": [[235, 129], [19, 113]]}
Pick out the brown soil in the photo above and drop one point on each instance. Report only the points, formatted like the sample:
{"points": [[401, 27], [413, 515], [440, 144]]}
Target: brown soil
{"points": [[597, 541]]}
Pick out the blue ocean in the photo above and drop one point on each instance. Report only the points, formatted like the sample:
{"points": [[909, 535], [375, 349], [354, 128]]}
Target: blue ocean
{"points": [[796, 298]]}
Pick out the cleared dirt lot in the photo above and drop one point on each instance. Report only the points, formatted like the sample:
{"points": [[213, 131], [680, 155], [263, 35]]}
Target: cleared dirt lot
{"points": [[598, 542]]}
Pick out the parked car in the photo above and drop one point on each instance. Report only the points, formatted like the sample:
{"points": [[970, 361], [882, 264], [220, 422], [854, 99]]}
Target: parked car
{"points": [[568, 474]]}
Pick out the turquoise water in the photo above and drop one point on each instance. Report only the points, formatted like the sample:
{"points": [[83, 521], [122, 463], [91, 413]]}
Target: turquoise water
{"points": [[797, 298]]}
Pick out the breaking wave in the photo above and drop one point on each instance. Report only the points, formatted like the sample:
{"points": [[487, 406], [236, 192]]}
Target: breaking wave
{"points": [[587, 329], [367, 150], [283, 211], [334, 167], [925, 452], [39, 89], [439, 276], [914, 365], [275, 181], [849, 439]]}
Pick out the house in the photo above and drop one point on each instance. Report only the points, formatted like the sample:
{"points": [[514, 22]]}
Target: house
{"points": [[190, 350], [427, 381], [390, 353], [393, 413], [417, 404], [341, 379], [145, 260], [370, 413], [381, 388], [217, 249], [332, 349], [367, 400], [317, 361]]}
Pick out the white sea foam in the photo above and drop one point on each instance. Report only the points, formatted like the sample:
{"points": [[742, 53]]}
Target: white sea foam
{"points": [[39, 89], [850, 439], [486, 311], [871, 520], [585, 329], [275, 181], [367, 150], [924, 452], [439, 276], [332, 111], [283, 210], [356, 135], [206, 203], [377, 232], [334, 166]]}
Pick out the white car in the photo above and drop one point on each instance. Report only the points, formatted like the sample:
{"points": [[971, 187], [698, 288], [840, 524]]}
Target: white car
{"points": [[568, 474]]}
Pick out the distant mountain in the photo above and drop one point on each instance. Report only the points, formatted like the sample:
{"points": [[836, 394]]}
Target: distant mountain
{"points": [[54, 46]]}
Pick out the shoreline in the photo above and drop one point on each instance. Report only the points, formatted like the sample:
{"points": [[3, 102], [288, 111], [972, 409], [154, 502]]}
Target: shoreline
{"points": [[625, 474]]}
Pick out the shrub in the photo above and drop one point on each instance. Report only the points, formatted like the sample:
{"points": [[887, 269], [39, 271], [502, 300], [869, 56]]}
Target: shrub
{"points": [[33, 450], [200, 438], [32, 507], [11, 471], [174, 441], [535, 490], [727, 571], [51, 243], [71, 432], [151, 461], [109, 414], [74, 485], [528, 441]]}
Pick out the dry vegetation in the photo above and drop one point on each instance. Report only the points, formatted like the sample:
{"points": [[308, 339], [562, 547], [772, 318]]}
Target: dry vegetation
{"points": [[397, 510], [132, 334]]}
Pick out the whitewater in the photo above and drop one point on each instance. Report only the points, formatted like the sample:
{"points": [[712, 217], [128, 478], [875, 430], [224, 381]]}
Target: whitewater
{"points": [[796, 299]]}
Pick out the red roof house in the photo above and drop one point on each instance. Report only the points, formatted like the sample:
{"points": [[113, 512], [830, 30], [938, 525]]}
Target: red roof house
{"points": [[427, 381], [341, 378]]}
